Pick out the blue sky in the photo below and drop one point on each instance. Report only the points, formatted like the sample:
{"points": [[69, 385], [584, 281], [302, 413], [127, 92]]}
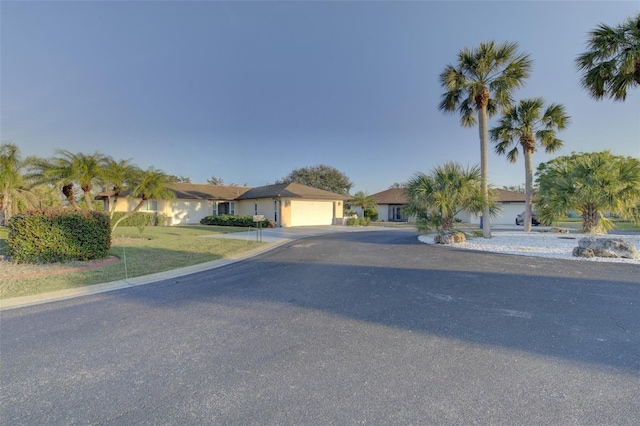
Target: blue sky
{"points": [[248, 91]]}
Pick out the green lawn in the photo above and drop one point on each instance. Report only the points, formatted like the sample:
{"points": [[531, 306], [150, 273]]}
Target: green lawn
{"points": [[156, 249], [620, 224]]}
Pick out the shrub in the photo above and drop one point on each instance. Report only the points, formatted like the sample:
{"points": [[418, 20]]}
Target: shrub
{"points": [[371, 214], [140, 219], [58, 235], [353, 221], [232, 220]]}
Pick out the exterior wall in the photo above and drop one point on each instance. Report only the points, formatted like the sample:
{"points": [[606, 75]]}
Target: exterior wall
{"points": [[266, 207], [285, 212], [506, 217], [383, 212], [311, 212], [182, 212]]}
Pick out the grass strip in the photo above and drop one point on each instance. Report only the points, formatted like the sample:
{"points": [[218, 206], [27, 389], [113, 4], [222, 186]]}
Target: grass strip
{"points": [[155, 249]]}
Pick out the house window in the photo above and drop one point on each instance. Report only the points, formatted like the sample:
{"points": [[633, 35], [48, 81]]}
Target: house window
{"points": [[255, 207], [150, 206], [215, 208], [232, 207]]}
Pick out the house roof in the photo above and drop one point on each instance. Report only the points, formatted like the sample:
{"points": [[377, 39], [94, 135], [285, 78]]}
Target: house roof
{"points": [[207, 191], [505, 196], [391, 196], [290, 190], [196, 191]]}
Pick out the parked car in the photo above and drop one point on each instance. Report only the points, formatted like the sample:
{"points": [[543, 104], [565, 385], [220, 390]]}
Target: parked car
{"points": [[534, 219]]}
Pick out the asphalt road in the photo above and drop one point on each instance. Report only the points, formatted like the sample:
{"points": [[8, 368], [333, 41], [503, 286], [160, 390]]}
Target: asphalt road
{"points": [[359, 328]]}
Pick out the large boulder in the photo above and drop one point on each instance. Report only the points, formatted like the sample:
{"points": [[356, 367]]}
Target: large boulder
{"points": [[449, 238], [605, 247]]}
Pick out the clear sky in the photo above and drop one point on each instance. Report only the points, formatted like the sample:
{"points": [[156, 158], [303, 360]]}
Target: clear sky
{"points": [[248, 91]]}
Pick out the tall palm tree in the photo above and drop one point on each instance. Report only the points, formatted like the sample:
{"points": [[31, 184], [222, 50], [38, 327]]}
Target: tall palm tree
{"points": [[151, 184], [118, 176], [612, 63], [69, 168], [363, 200], [13, 190], [483, 81], [450, 189], [591, 184], [529, 124]]}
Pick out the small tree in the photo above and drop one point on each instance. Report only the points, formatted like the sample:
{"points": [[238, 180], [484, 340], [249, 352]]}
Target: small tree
{"points": [[14, 194], [363, 200], [215, 181], [118, 176], [529, 124], [321, 177], [150, 184], [482, 82], [611, 66], [591, 184], [448, 190], [67, 169]]}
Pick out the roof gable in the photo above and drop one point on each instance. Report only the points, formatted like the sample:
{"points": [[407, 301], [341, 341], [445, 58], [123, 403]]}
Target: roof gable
{"points": [[290, 190], [391, 196], [194, 191]]}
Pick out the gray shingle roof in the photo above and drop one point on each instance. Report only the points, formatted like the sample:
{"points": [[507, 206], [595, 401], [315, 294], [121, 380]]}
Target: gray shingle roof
{"points": [[391, 196], [290, 190], [196, 191]]}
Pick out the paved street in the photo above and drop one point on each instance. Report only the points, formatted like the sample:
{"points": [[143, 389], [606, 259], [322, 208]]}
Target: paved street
{"points": [[357, 328]]}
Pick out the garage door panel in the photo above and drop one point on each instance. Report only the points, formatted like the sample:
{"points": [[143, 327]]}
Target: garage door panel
{"points": [[311, 213]]}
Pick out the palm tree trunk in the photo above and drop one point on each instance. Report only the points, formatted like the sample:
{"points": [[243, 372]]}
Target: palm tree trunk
{"points": [[87, 200], [6, 205], [484, 167], [67, 190], [528, 189], [590, 220]]}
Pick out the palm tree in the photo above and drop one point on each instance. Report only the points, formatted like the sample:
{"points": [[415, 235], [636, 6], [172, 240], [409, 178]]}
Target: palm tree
{"points": [[363, 200], [483, 81], [118, 176], [450, 189], [67, 169], [591, 184], [12, 183], [151, 184], [529, 124], [612, 63]]}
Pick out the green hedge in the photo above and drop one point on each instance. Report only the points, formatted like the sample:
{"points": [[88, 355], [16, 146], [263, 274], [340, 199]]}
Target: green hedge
{"points": [[140, 219], [232, 220], [354, 221], [58, 235]]}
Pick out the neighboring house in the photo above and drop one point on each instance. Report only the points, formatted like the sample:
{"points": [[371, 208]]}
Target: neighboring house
{"points": [[392, 201], [511, 204], [192, 202], [391, 205], [293, 204], [285, 204]]}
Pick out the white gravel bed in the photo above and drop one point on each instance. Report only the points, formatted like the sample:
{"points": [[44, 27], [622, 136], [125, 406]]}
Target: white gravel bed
{"points": [[540, 244]]}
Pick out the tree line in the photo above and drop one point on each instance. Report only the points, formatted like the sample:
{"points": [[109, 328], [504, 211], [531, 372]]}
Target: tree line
{"points": [[481, 84]]}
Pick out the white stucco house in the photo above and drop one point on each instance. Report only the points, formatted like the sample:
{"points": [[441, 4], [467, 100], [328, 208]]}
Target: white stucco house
{"points": [[391, 202], [285, 204]]}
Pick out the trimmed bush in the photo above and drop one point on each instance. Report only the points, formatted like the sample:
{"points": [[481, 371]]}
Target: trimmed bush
{"points": [[58, 235], [354, 221], [140, 219], [232, 220]]}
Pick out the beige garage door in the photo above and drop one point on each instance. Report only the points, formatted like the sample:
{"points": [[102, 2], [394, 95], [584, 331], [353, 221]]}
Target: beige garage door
{"points": [[310, 213]]}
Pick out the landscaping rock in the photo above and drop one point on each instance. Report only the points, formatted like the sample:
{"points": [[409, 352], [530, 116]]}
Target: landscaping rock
{"points": [[449, 238], [605, 247]]}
